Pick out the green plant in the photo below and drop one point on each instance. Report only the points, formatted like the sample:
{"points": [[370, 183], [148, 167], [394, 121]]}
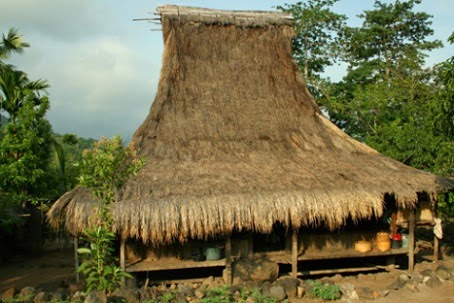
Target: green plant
{"points": [[167, 297], [446, 205], [104, 170], [256, 295], [19, 299], [99, 268], [65, 301], [324, 291], [217, 295], [164, 298]]}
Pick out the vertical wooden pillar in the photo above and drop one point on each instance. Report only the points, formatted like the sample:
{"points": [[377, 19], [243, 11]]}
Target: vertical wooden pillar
{"points": [[228, 260], [250, 245], [294, 253], [122, 260], [436, 249], [411, 241], [76, 258], [436, 241]]}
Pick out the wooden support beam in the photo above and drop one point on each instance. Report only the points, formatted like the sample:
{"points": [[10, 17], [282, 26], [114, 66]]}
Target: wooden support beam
{"points": [[122, 260], [228, 260], [411, 241], [436, 249], [436, 241], [337, 271], [294, 253], [76, 258]]}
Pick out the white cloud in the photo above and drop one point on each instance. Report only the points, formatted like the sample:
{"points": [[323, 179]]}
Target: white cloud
{"points": [[103, 81], [101, 66], [62, 20]]}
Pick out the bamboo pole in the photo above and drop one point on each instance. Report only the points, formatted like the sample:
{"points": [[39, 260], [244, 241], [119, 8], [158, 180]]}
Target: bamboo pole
{"points": [[228, 260], [122, 260], [411, 241], [294, 253], [76, 258]]}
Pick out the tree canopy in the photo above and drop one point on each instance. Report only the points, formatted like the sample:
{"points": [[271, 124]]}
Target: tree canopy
{"points": [[318, 34], [388, 97], [35, 164]]}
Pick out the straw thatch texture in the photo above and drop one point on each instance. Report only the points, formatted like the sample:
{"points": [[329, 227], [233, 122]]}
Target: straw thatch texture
{"points": [[234, 141]]}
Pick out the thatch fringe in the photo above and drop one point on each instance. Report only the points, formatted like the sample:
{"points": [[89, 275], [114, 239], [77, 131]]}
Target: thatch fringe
{"points": [[235, 141]]}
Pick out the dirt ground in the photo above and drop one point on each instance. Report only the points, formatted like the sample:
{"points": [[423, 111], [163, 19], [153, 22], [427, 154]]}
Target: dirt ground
{"points": [[55, 268], [50, 270]]}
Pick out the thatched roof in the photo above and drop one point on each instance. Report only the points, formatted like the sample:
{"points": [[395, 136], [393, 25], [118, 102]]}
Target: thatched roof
{"points": [[234, 141]]}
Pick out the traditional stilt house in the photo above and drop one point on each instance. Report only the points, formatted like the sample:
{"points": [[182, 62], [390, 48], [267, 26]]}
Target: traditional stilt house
{"points": [[241, 162]]}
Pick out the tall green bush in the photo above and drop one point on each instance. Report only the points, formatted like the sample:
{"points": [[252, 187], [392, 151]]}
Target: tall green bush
{"points": [[104, 169]]}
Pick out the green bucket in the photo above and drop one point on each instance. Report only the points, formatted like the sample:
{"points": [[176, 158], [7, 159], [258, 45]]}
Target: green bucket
{"points": [[213, 253]]}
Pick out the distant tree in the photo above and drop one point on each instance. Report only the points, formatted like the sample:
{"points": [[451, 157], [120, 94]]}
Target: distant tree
{"points": [[392, 41], [445, 118], [386, 78], [11, 43], [25, 141], [25, 149], [388, 98], [15, 87], [317, 39], [68, 153]]}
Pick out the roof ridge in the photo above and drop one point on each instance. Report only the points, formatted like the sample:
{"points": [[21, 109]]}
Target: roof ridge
{"points": [[206, 14]]}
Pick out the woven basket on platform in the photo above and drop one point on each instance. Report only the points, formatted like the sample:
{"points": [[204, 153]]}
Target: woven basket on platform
{"points": [[383, 241], [363, 246]]}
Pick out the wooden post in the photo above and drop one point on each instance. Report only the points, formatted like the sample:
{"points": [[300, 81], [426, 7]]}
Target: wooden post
{"points": [[122, 260], [436, 241], [228, 260], [250, 241], [294, 253], [436, 249], [76, 258], [411, 241]]}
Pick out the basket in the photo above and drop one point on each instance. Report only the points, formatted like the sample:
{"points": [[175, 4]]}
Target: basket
{"points": [[383, 241], [384, 245], [382, 236], [363, 246]]}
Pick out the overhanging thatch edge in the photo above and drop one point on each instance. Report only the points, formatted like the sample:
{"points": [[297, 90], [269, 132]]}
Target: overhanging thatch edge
{"points": [[178, 219]]}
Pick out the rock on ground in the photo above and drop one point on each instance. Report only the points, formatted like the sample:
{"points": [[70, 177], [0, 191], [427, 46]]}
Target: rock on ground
{"points": [[254, 270], [289, 284], [278, 292], [96, 297]]}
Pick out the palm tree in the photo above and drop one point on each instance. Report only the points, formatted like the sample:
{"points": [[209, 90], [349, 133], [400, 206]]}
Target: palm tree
{"points": [[11, 43], [15, 87], [14, 84]]}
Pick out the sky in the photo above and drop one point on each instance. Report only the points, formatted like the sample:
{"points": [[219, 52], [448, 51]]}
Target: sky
{"points": [[103, 67]]}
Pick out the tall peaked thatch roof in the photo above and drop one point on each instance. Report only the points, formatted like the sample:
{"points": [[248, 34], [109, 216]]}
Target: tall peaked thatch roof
{"points": [[234, 141]]}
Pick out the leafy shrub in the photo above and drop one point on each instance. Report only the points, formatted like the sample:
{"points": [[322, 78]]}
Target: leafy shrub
{"points": [[164, 298], [218, 295], [446, 205], [99, 268], [324, 291], [257, 296], [104, 169]]}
